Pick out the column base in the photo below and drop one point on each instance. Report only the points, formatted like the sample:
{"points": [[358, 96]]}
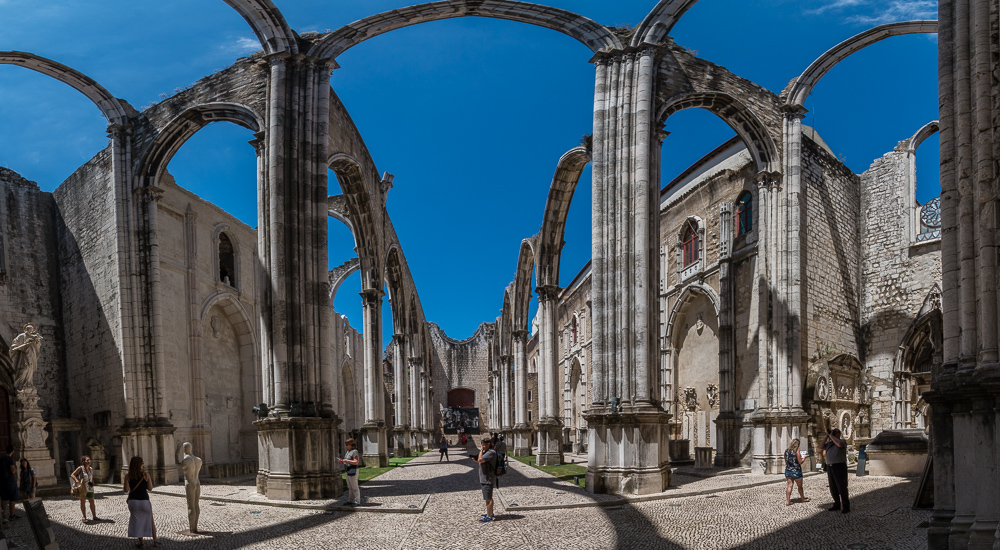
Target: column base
{"points": [[981, 535], [522, 440], [297, 458], [550, 443], [939, 529], [628, 451], [155, 444], [960, 526], [772, 431], [401, 440], [374, 445]]}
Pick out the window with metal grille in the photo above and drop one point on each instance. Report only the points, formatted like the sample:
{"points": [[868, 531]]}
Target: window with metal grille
{"points": [[744, 214], [691, 243]]}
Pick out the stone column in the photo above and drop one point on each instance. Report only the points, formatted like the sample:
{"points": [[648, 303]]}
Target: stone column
{"points": [[374, 446], [522, 432], [550, 440], [415, 364], [727, 423], [968, 382], [400, 427], [506, 394], [296, 443], [425, 410], [627, 439]]}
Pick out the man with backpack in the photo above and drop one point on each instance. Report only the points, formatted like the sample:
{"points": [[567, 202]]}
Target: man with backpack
{"points": [[487, 460]]}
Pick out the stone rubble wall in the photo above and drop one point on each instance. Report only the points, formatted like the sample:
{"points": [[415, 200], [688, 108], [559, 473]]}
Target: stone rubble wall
{"points": [[90, 280], [461, 364], [831, 253], [30, 288], [897, 275]]}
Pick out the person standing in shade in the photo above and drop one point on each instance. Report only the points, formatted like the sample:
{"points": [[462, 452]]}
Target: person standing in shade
{"points": [[28, 480], [444, 449], [487, 460], [138, 485], [835, 457], [351, 461], [8, 483]]}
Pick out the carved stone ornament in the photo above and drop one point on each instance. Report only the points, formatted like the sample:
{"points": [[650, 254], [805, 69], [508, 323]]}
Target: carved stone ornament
{"points": [[712, 392], [822, 389], [846, 424], [699, 325], [216, 325], [690, 399], [33, 433]]}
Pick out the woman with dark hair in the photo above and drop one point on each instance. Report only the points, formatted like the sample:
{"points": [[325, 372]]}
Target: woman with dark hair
{"points": [[137, 485], [83, 480], [28, 480]]}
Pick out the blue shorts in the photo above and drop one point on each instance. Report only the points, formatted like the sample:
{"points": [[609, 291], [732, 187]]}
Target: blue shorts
{"points": [[793, 474]]}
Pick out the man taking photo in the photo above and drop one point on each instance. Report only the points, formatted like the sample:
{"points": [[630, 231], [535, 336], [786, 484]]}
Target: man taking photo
{"points": [[487, 460]]}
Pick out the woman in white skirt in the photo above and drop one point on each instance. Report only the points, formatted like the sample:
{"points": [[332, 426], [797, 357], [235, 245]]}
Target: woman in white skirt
{"points": [[137, 486]]}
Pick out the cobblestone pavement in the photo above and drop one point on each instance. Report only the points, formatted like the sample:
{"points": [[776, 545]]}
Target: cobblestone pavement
{"points": [[728, 515]]}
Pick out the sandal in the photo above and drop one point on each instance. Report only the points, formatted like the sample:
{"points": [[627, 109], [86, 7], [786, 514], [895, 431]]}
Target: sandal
{"points": [[806, 499]]}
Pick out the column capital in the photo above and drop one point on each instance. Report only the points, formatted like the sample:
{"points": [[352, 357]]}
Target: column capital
{"points": [[519, 334], [116, 131], [769, 180], [148, 193], [370, 296], [548, 292], [794, 111]]}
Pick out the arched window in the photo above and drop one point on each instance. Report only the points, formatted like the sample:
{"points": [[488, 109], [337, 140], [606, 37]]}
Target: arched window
{"points": [[744, 214], [691, 243], [227, 261], [575, 340]]}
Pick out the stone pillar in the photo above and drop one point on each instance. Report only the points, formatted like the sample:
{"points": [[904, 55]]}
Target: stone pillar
{"points": [[522, 432], [31, 436], [296, 443], [506, 394], [400, 428], [415, 364], [424, 409], [550, 436], [942, 456], [727, 423], [627, 440], [374, 445], [968, 382]]}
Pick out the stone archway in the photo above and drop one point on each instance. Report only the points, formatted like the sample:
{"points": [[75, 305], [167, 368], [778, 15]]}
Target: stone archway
{"points": [[694, 341]]}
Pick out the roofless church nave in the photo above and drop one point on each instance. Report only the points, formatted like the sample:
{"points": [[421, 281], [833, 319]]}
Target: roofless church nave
{"points": [[766, 294]]}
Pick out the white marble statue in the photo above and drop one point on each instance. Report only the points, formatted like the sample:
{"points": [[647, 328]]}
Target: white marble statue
{"points": [[24, 357], [191, 465]]}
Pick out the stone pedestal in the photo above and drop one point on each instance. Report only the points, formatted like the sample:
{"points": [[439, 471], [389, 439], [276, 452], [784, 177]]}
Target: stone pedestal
{"points": [[898, 453], [154, 442], [374, 445], [703, 457], [31, 437], [401, 441], [99, 459], [628, 452], [772, 431], [522, 440], [297, 458], [550, 445], [680, 450]]}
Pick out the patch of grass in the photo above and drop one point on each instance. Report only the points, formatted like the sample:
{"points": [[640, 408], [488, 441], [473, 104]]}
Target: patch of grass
{"points": [[565, 472], [365, 473]]}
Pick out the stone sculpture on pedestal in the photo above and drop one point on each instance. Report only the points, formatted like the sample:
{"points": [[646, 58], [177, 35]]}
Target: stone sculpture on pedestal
{"points": [[24, 357], [30, 427], [191, 465]]}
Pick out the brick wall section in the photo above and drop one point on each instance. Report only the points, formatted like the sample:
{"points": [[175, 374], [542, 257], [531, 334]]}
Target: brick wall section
{"points": [[30, 290], [460, 364], [896, 277], [89, 278], [830, 255]]}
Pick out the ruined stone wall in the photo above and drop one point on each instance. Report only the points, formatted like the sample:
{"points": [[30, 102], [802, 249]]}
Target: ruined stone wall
{"points": [[574, 304], [90, 281], [897, 275], [200, 309], [460, 364], [531, 356], [347, 377], [30, 286], [830, 256]]}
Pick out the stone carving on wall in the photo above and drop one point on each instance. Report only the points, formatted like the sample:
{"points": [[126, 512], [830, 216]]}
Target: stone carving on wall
{"points": [[24, 358], [845, 424], [823, 389], [712, 392], [699, 325], [690, 399], [216, 326]]}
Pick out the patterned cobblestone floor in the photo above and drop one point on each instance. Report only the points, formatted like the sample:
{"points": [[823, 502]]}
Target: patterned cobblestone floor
{"points": [[726, 515]]}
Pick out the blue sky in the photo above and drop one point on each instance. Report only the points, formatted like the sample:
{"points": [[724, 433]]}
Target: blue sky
{"points": [[470, 115]]}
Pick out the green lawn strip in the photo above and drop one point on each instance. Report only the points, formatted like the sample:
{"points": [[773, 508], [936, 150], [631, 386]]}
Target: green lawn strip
{"points": [[565, 472], [365, 473]]}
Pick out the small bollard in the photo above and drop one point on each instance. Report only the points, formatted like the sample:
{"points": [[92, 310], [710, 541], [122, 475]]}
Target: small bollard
{"points": [[576, 480]]}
